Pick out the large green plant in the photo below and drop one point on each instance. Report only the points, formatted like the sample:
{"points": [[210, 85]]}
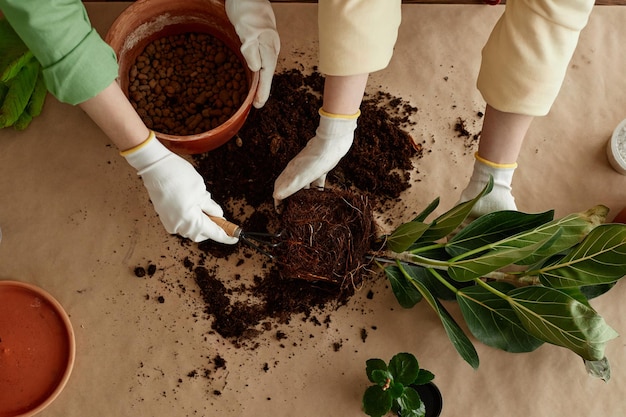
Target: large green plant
{"points": [[520, 279]]}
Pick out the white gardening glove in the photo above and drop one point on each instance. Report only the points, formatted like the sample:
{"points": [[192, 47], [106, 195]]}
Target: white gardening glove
{"points": [[255, 25], [500, 197], [177, 191], [331, 142]]}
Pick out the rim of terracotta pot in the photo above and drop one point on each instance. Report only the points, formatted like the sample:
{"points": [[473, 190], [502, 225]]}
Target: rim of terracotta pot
{"points": [[146, 20], [37, 349]]}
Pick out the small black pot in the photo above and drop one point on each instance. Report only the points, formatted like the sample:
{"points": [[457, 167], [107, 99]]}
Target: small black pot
{"points": [[431, 397]]}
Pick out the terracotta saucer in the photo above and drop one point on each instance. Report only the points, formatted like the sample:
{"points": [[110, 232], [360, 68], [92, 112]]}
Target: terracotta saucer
{"points": [[37, 349]]}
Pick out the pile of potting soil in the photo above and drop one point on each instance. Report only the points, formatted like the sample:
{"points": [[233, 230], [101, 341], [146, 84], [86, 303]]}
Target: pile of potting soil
{"points": [[377, 169]]}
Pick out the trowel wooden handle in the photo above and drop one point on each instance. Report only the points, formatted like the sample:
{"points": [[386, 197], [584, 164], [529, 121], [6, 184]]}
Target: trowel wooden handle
{"points": [[230, 228]]}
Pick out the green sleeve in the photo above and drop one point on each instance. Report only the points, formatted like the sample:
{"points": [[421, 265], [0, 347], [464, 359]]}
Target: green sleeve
{"points": [[77, 63]]}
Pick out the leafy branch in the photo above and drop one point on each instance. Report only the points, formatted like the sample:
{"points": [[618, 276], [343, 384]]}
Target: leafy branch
{"points": [[520, 279]]}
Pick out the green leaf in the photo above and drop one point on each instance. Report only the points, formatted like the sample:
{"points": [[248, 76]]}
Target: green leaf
{"points": [[396, 389], [576, 294], [23, 121], [459, 340], [593, 291], [504, 253], [406, 294], [381, 376], [38, 98], [35, 102], [373, 365], [573, 228], [529, 246], [404, 368], [13, 52], [20, 89], [599, 259], [411, 405], [424, 377], [438, 289], [557, 318], [492, 320], [404, 236], [448, 222], [3, 91], [431, 251], [494, 227], [427, 211], [376, 401]]}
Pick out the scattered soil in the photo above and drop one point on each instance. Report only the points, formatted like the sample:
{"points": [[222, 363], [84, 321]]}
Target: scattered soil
{"points": [[241, 175], [471, 140]]}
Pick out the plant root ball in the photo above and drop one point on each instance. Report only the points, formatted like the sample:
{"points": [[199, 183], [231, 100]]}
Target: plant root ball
{"points": [[327, 235]]}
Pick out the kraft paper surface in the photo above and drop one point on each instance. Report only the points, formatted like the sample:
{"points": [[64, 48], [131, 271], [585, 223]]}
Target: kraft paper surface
{"points": [[76, 221]]}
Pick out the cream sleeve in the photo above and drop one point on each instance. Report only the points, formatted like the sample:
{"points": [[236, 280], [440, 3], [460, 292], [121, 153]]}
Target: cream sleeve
{"points": [[528, 52], [357, 36]]}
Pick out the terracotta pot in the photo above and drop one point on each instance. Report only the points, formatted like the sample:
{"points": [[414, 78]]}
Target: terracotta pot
{"points": [[431, 397], [146, 20], [37, 349]]}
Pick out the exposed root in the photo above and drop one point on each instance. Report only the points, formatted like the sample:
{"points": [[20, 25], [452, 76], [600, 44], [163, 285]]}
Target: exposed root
{"points": [[328, 235]]}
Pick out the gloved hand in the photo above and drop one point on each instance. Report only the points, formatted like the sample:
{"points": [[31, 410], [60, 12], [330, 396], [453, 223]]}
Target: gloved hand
{"points": [[255, 24], [177, 191], [331, 142], [500, 197]]}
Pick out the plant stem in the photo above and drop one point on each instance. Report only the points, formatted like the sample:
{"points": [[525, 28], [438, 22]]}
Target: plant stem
{"points": [[427, 248], [491, 289], [513, 278], [416, 260], [472, 252], [443, 280], [409, 258]]}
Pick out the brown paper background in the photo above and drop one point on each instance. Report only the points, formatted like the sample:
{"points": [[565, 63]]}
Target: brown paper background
{"points": [[76, 221]]}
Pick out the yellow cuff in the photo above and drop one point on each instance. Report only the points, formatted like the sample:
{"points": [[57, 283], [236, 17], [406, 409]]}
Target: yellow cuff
{"points": [[141, 145], [493, 164], [340, 116]]}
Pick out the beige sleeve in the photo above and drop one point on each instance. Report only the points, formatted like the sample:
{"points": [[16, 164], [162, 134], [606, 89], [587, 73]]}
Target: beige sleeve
{"points": [[528, 52], [357, 36]]}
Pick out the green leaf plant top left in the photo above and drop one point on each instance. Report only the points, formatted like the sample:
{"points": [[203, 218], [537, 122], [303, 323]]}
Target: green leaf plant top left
{"points": [[22, 87]]}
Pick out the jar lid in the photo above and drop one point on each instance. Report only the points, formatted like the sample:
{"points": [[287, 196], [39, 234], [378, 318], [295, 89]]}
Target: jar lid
{"points": [[616, 148]]}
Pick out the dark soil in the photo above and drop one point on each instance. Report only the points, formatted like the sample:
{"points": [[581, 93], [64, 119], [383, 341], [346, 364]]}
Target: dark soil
{"points": [[373, 175], [378, 164]]}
